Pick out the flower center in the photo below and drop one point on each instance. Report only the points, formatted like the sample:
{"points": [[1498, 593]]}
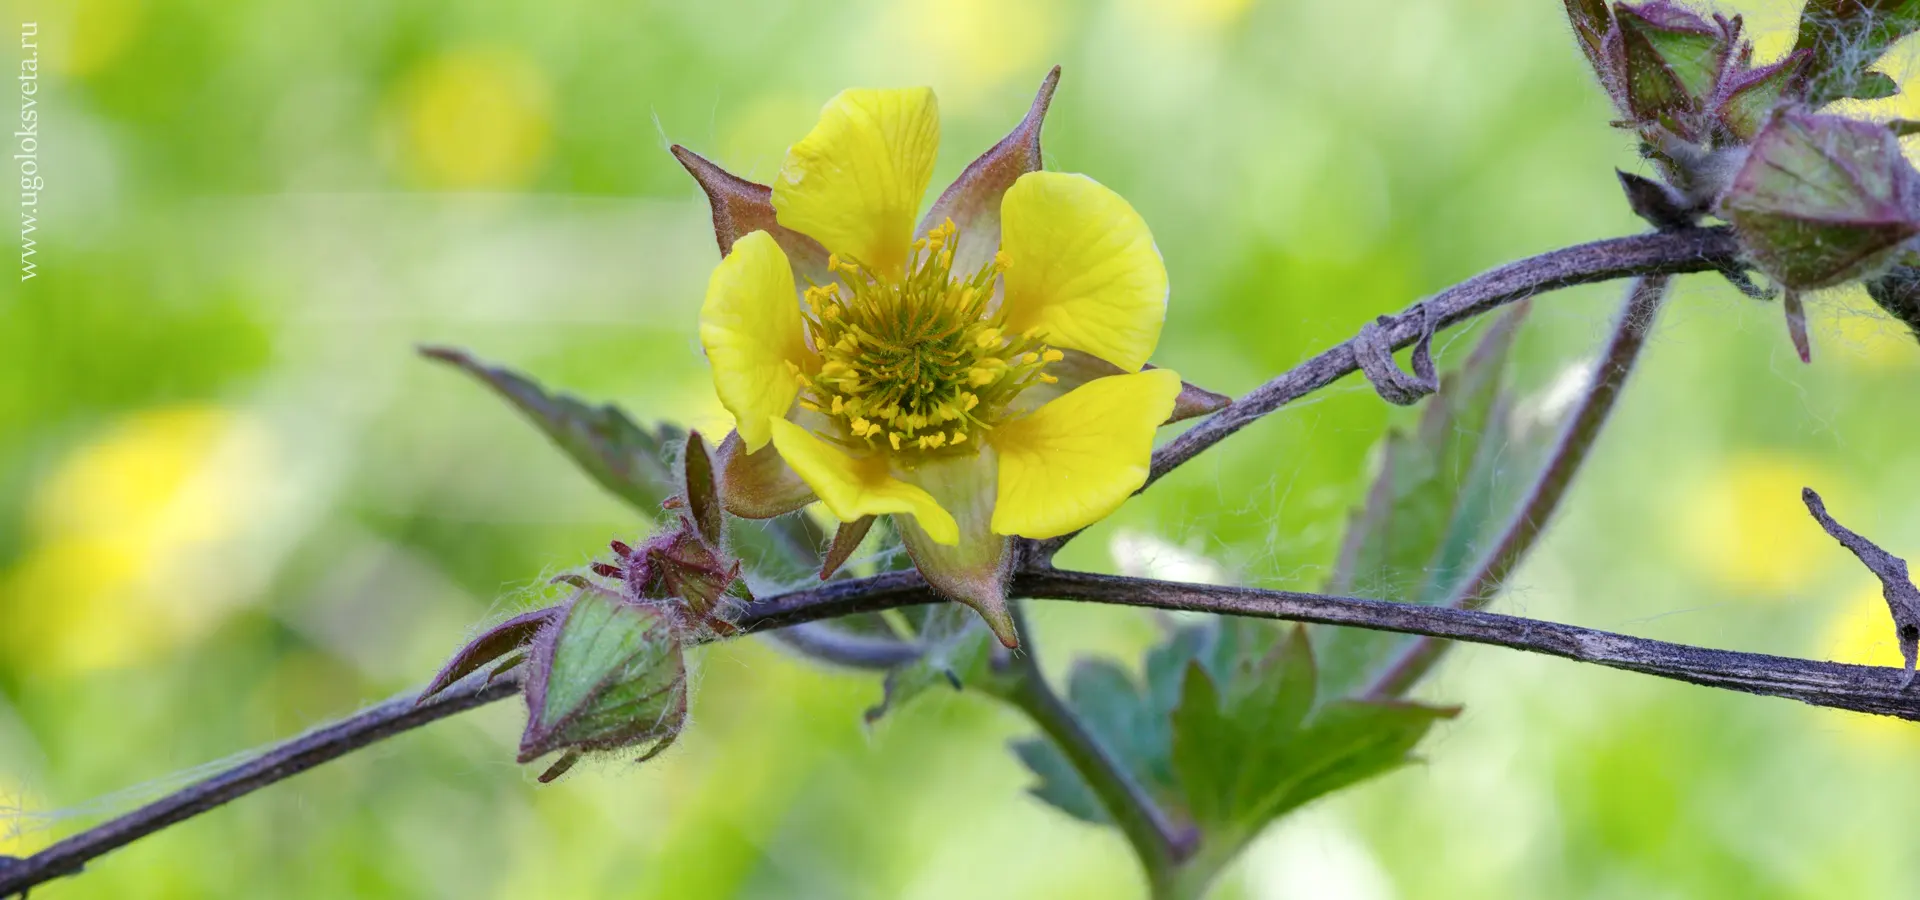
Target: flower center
{"points": [[918, 364]]}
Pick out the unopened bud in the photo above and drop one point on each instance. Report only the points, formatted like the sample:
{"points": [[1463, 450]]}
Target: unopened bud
{"points": [[1822, 199], [607, 675]]}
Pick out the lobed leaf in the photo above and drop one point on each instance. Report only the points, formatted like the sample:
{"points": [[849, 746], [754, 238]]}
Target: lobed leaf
{"points": [[1228, 731]]}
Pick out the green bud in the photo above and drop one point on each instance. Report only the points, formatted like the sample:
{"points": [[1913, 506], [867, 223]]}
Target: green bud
{"points": [[608, 675], [1670, 61], [1822, 199], [1749, 96]]}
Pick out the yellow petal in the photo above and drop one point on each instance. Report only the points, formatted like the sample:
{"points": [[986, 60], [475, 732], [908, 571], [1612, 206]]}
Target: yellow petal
{"points": [[1075, 460], [1083, 268], [853, 487], [750, 326], [855, 182]]}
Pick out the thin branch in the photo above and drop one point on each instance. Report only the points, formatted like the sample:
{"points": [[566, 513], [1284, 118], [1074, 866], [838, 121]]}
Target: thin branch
{"points": [[1859, 688], [1630, 330], [1869, 689], [289, 758], [822, 642], [1658, 253], [1903, 599], [1156, 840]]}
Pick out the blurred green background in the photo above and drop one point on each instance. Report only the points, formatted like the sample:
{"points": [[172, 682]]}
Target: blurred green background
{"points": [[234, 504]]}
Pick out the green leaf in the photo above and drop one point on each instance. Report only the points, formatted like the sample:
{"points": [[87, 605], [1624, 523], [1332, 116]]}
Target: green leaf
{"points": [[1228, 731], [1433, 500], [1247, 753], [1227, 734], [1129, 718], [610, 675], [1059, 784], [634, 463], [1846, 37]]}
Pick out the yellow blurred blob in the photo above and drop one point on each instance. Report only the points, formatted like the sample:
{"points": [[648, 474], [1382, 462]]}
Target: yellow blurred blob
{"points": [[475, 118], [127, 538], [1746, 528], [976, 45], [1862, 634], [97, 33], [1772, 25], [1864, 337]]}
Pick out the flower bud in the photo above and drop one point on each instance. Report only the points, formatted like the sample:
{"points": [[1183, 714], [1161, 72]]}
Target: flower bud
{"points": [[685, 571], [681, 565], [1668, 61], [1822, 199], [607, 675]]}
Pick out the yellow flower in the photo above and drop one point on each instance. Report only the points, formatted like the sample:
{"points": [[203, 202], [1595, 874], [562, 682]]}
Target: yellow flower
{"points": [[978, 377]]}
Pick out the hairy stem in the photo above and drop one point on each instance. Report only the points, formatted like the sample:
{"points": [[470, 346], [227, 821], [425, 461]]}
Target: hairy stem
{"points": [[1630, 330], [1156, 840]]}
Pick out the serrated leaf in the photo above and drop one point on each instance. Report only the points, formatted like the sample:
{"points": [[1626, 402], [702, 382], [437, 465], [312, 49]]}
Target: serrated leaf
{"points": [[1219, 754], [1845, 38], [1058, 784], [1131, 718], [1431, 501], [1228, 731], [634, 463], [1130, 722], [1249, 752]]}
